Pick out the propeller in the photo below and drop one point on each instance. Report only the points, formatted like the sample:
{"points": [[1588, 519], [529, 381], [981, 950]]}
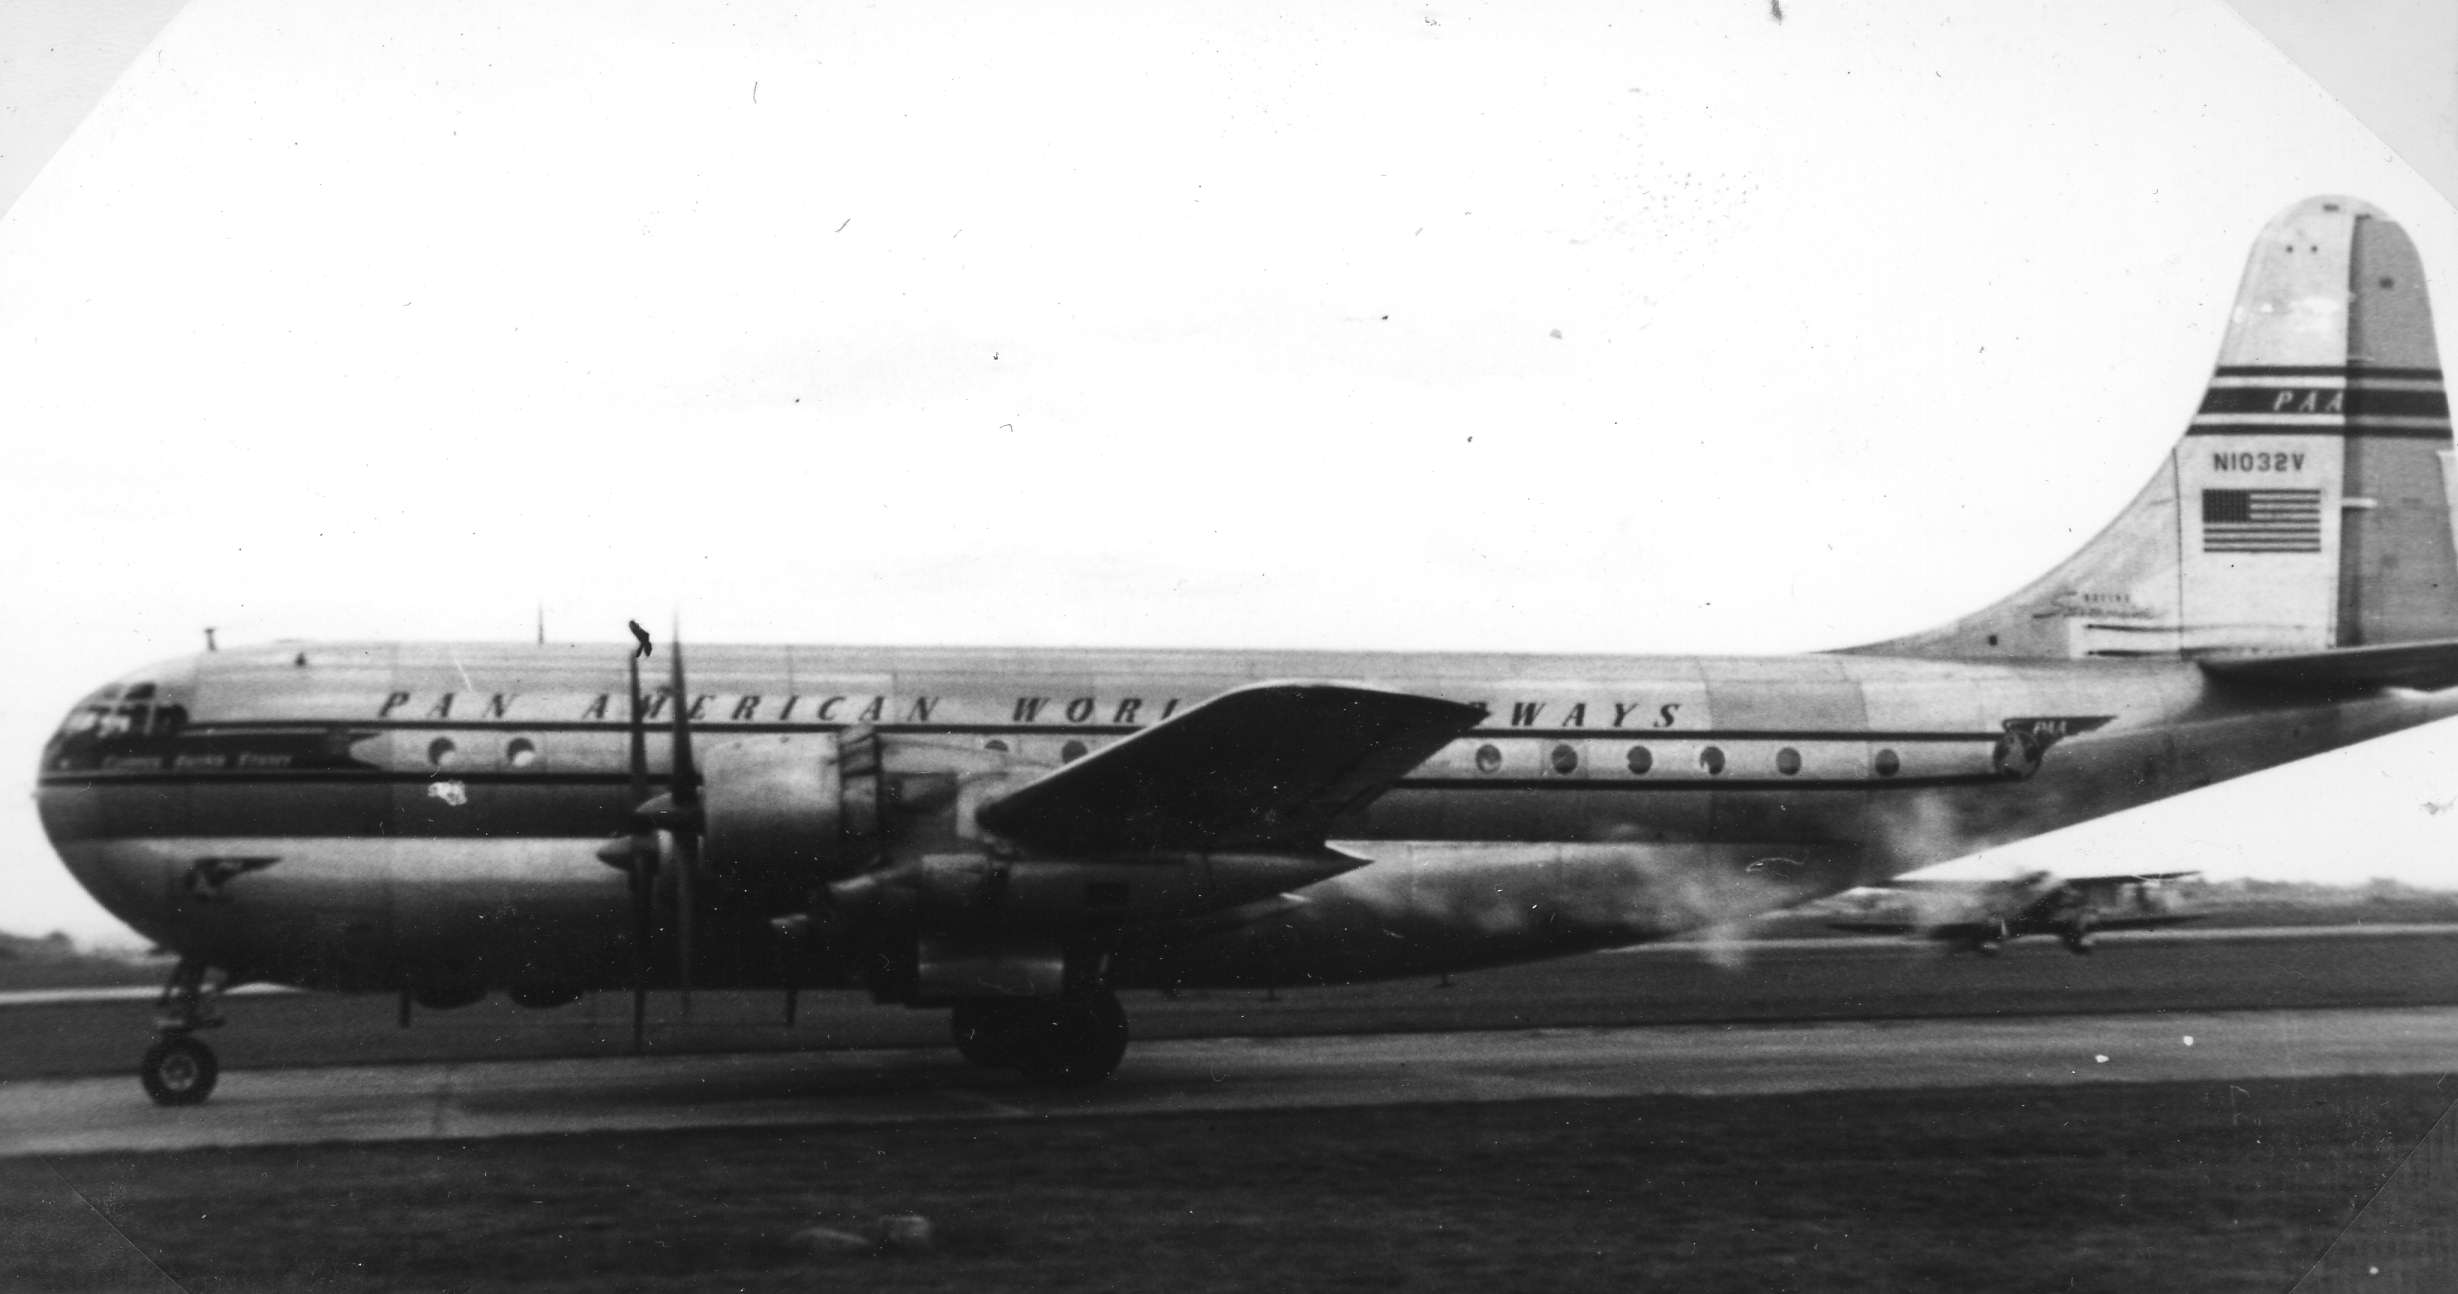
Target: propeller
{"points": [[677, 813]]}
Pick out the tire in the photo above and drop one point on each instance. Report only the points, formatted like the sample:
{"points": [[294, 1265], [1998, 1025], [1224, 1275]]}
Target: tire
{"points": [[178, 1070], [986, 1033]]}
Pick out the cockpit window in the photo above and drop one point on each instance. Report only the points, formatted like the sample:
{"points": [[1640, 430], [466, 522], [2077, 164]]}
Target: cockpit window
{"points": [[121, 713], [123, 724]]}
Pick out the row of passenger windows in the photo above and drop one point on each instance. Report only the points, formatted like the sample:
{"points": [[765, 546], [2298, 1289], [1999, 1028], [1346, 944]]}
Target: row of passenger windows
{"points": [[1563, 759]]}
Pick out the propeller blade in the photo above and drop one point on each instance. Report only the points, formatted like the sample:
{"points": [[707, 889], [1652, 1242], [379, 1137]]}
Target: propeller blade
{"points": [[685, 793], [686, 776], [640, 742], [643, 865]]}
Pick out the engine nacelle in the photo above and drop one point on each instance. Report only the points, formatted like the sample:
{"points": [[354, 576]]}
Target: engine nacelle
{"points": [[789, 812], [785, 814]]}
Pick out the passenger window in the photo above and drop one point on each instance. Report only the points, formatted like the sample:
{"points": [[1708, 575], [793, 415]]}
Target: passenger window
{"points": [[520, 752], [1712, 759], [1888, 763], [1071, 752], [1788, 761], [1641, 760], [1565, 760], [441, 752], [995, 744], [1489, 759]]}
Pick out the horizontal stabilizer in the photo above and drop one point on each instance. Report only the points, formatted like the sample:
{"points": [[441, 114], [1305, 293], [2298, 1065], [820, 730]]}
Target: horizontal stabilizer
{"points": [[2424, 666], [1259, 767]]}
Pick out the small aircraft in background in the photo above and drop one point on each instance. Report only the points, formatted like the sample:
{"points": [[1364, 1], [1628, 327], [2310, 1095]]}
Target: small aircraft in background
{"points": [[1981, 915]]}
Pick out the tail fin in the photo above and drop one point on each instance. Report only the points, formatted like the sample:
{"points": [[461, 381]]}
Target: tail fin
{"points": [[2308, 504]]}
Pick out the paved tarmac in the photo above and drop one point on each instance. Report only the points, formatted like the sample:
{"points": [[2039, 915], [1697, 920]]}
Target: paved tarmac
{"points": [[296, 1106]]}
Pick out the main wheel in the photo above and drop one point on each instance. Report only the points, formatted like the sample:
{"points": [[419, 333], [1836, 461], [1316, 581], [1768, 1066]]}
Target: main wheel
{"points": [[1074, 1041], [178, 1070], [988, 1033]]}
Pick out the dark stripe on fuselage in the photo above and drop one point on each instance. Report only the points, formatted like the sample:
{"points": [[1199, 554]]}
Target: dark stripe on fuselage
{"points": [[2359, 432], [347, 777], [2352, 368], [2354, 402], [1642, 782], [1728, 734], [658, 728]]}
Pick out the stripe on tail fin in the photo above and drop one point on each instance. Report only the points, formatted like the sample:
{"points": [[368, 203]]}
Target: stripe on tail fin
{"points": [[2307, 506]]}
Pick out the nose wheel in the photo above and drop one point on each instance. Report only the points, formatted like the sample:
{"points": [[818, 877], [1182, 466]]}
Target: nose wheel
{"points": [[178, 1069]]}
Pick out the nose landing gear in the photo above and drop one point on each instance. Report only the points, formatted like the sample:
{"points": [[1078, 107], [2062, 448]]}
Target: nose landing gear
{"points": [[178, 1069]]}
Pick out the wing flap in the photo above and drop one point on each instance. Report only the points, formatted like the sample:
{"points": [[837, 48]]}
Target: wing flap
{"points": [[1267, 766], [2424, 666]]}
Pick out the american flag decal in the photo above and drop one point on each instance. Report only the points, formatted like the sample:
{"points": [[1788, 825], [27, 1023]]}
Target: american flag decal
{"points": [[2261, 521]]}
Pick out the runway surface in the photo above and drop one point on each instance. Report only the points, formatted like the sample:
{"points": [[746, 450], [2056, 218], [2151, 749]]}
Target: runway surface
{"points": [[889, 1086]]}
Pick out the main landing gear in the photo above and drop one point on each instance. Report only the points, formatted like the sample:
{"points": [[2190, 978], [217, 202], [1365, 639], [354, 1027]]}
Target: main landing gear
{"points": [[1070, 1041], [177, 1069]]}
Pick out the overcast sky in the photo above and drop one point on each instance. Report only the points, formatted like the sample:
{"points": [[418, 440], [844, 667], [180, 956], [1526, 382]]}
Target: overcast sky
{"points": [[1545, 327]]}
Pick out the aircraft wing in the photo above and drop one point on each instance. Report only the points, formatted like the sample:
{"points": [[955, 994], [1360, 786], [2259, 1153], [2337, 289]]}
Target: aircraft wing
{"points": [[1259, 767], [2426, 666]]}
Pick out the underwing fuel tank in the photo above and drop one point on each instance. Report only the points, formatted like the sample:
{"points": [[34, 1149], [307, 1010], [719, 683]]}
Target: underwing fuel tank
{"points": [[1065, 895]]}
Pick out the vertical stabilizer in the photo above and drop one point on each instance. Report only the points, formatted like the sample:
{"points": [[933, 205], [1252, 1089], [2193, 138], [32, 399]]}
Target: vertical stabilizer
{"points": [[2307, 505]]}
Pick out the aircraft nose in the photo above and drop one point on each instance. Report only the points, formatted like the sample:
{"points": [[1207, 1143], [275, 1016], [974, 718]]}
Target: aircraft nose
{"points": [[109, 741], [99, 793]]}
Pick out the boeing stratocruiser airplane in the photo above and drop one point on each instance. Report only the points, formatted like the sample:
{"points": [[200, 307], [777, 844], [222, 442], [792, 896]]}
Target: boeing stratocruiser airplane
{"points": [[1017, 836]]}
